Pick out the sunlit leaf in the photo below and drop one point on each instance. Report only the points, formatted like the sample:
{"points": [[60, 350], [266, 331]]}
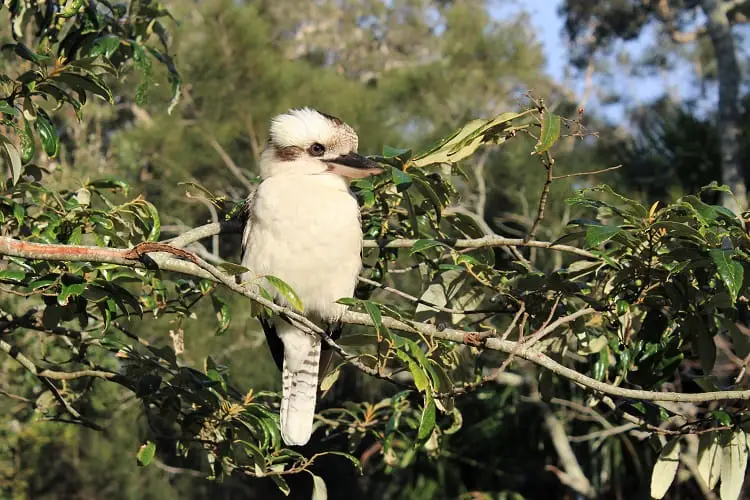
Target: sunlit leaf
{"points": [[665, 468], [550, 132], [733, 465], [330, 379], [146, 453], [320, 492], [286, 291]]}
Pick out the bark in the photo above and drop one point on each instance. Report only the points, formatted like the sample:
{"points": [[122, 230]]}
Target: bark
{"points": [[720, 31]]}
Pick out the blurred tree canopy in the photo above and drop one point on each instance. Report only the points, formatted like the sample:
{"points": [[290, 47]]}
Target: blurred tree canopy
{"points": [[521, 330], [702, 32]]}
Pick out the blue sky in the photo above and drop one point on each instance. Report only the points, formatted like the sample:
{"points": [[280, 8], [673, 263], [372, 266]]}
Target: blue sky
{"points": [[548, 26]]}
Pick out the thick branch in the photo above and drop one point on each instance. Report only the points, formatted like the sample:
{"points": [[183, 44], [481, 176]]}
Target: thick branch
{"points": [[202, 269]]}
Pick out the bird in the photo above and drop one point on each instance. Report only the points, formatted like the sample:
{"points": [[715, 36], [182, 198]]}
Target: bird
{"points": [[303, 226]]}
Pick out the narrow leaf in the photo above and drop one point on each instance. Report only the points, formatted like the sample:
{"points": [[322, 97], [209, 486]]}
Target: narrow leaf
{"points": [[13, 157], [281, 484], [709, 458], [286, 291], [427, 422], [47, 133], [12, 275], [733, 465], [330, 379], [320, 492], [422, 245], [550, 132], [665, 468]]}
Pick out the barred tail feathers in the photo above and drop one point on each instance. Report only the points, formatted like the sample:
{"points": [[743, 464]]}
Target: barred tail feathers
{"points": [[300, 384]]}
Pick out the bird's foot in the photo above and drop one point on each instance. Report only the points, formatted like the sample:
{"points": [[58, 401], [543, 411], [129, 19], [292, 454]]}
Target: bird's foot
{"points": [[333, 330]]}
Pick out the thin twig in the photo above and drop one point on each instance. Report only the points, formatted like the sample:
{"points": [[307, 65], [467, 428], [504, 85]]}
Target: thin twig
{"points": [[425, 303], [548, 164], [230, 164], [594, 172]]}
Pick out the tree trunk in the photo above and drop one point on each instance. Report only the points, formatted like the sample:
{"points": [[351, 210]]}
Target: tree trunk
{"points": [[732, 173]]}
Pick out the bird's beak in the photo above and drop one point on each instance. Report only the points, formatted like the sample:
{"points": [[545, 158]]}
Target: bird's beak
{"points": [[354, 166]]}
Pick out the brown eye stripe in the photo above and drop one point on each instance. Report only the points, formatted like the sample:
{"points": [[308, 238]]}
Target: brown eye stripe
{"points": [[287, 153]]}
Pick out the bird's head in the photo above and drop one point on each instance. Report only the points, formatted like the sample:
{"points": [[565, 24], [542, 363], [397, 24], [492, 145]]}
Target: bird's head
{"points": [[308, 142]]}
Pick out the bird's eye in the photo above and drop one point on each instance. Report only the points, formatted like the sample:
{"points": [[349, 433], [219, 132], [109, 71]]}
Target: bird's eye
{"points": [[317, 149]]}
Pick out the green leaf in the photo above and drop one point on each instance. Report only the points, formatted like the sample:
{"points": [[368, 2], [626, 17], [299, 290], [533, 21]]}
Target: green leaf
{"points": [[12, 275], [550, 132], [47, 133], [320, 492], [596, 235], [374, 311], [401, 179], [286, 291], [722, 417], [90, 83], [233, 269], [665, 468], [421, 245], [348, 301], [105, 46], [71, 8], [153, 213], [8, 109], [730, 271], [146, 453], [19, 212], [465, 141], [26, 53], [391, 152], [223, 314], [427, 422], [420, 377], [28, 147], [70, 290]]}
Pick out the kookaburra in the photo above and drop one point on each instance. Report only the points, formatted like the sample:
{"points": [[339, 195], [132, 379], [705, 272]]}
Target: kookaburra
{"points": [[303, 226]]}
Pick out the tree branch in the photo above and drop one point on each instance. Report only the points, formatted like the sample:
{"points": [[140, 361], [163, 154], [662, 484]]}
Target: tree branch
{"points": [[230, 164], [199, 268], [232, 227]]}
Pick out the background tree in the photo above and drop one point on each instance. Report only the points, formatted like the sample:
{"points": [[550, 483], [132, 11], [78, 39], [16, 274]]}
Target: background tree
{"points": [[480, 358], [595, 27]]}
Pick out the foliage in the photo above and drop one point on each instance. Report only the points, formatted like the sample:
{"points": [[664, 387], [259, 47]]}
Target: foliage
{"points": [[630, 297]]}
